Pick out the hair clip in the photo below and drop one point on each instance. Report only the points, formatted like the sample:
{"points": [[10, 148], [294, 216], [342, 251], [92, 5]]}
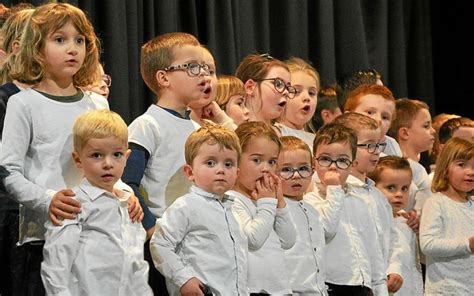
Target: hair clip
{"points": [[266, 56]]}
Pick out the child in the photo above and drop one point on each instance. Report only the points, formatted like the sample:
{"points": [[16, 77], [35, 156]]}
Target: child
{"points": [[349, 82], [354, 266], [231, 98], [327, 108], [392, 177], [305, 259], [298, 111], [369, 146], [198, 245], [261, 209], [74, 263], [447, 223], [267, 86], [101, 84], [436, 124]]}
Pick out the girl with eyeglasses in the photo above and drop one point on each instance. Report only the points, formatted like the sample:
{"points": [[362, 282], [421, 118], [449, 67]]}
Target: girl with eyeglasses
{"points": [[101, 84]]}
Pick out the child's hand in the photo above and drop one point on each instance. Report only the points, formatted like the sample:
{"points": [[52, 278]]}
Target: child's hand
{"points": [[471, 244], [265, 187], [134, 209], [192, 287], [394, 282], [331, 178], [279, 191], [215, 113], [413, 221], [63, 206]]}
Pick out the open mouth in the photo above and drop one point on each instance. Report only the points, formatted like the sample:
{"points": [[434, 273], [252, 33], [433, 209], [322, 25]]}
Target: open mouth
{"points": [[306, 108], [296, 186], [207, 90], [282, 104]]}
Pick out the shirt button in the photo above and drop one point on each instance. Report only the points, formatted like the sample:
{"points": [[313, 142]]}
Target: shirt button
{"points": [[314, 249], [305, 209], [311, 229]]}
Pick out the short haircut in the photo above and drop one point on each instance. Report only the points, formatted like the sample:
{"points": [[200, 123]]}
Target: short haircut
{"points": [[256, 67], [327, 100], [353, 98], [357, 121], [297, 64], [45, 20], [448, 128], [351, 81], [210, 134], [292, 143], [406, 111], [98, 124], [256, 129], [455, 149], [389, 162], [336, 133], [227, 87], [158, 53]]}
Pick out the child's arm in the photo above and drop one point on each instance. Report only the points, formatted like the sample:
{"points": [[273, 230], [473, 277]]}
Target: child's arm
{"points": [[216, 114], [431, 243], [283, 225]]}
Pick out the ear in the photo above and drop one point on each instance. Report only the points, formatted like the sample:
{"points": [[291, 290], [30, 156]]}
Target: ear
{"points": [[403, 133], [237, 173], [188, 171], [326, 116], [77, 160], [127, 154], [15, 46], [162, 78], [249, 87]]}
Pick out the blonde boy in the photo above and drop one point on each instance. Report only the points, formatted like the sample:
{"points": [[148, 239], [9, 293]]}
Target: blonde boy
{"points": [[101, 251], [198, 245], [369, 146]]}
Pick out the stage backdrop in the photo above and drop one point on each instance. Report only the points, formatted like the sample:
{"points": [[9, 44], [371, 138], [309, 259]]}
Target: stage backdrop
{"points": [[338, 37]]}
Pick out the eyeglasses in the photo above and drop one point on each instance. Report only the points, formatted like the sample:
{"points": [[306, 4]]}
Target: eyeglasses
{"points": [[107, 79], [304, 171], [341, 163], [373, 147], [280, 87], [193, 69]]}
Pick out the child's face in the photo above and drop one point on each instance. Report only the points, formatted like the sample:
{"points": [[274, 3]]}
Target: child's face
{"points": [[210, 94], [329, 115], [378, 108], [100, 87], [297, 161], [464, 132], [103, 161], [300, 109], [237, 110], [395, 185], [64, 51], [213, 169], [340, 151], [269, 105], [260, 157], [461, 175], [366, 161], [420, 133]]}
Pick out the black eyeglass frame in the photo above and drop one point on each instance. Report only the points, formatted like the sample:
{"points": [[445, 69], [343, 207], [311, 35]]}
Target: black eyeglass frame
{"points": [[188, 68], [346, 161], [298, 170], [373, 147], [290, 89]]}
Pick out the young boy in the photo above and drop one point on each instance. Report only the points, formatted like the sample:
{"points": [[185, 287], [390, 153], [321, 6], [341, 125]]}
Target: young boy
{"points": [[392, 177], [354, 266], [412, 129], [101, 251], [198, 245], [369, 146]]}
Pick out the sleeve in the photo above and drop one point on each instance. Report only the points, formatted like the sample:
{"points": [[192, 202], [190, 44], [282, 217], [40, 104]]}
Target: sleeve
{"points": [[431, 242], [423, 184], [17, 135], [285, 228], [330, 210], [258, 228], [396, 251], [59, 252], [170, 231]]}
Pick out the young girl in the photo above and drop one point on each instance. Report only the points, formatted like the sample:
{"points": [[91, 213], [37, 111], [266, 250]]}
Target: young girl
{"points": [[267, 86], [231, 98], [261, 209], [59, 52], [298, 112], [447, 223]]}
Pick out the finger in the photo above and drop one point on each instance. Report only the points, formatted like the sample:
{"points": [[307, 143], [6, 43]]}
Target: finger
{"points": [[61, 215], [54, 220], [66, 207], [68, 192]]}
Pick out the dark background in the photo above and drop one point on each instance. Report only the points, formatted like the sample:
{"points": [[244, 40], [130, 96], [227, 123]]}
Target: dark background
{"points": [[422, 49]]}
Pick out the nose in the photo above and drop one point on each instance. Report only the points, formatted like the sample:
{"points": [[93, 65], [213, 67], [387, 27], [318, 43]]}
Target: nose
{"points": [[108, 163], [432, 131]]}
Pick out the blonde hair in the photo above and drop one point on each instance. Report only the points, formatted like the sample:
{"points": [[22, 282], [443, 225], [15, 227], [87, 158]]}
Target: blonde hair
{"points": [[210, 134], [357, 121], [291, 143], [158, 54], [336, 133], [227, 87], [406, 111], [390, 162], [256, 129], [45, 20], [98, 124]]}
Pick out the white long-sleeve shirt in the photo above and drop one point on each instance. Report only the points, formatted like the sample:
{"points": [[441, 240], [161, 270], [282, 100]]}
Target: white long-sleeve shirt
{"points": [[36, 150], [269, 231], [198, 236], [445, 228], [98, 253]]}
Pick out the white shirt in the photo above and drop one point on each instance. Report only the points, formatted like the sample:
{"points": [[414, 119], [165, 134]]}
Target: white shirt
{"points": [[36, 150], [98, 253], [418, 197], [305, 260], [198, 236], [351, 256], [411, 269], [393, 148], [445, 228], [269, 231], [163, 135], [307, 137]]}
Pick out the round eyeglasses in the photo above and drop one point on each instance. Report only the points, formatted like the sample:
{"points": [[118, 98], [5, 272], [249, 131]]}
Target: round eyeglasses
{"points": [[373, 147], [304, 171], [280, 86], [341, 163], [193, 69]]}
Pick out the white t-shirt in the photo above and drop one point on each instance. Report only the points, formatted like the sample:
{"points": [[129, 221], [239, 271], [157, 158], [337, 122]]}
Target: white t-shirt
{"points": [[307, 137]]}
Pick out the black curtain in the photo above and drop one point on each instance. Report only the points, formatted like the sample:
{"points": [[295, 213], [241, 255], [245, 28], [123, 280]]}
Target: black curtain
{"points": [[338, 37]]}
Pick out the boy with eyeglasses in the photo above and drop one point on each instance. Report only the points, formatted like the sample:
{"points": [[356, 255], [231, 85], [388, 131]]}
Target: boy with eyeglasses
{"points": [[352, 266], [173, 67], [369, 147]]}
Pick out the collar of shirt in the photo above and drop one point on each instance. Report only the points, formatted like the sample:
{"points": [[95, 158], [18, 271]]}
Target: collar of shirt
{"points": [[355, 182], [94, 192], [176, 113], [196, 190]]}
